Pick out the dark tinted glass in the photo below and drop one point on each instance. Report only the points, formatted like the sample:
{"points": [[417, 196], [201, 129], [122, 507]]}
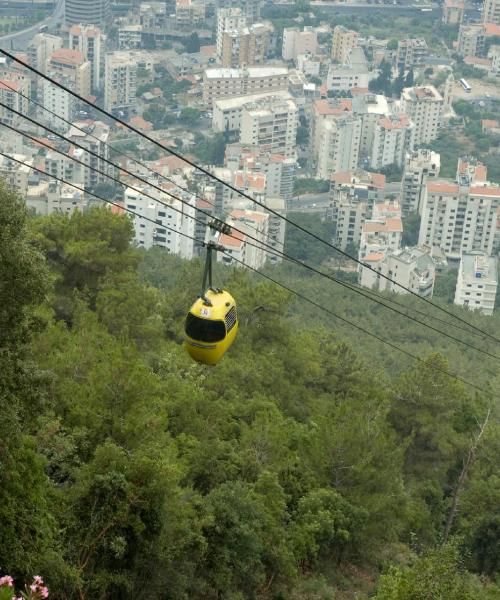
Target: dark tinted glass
{"points": [[205, 330]]}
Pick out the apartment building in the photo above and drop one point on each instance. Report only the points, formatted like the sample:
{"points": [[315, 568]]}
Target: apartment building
{"points": [[14, 94], [271, 125], [41, 48], [246, 46], [229, 83], [347, 214], [57, 101], [228, 19], [491, 11], [411, 52], [252, 223], [14, 174], [189, 13], [120, 81], [69, 64], [227, 111], [393, 138], [326, 110], [471, 40], [413, 268], [172, 213], [371, 108], [424, 107], [278, 169], [361, 186], [380, 234], [460, 217], [296, 42], [90, 41], [338, 148], [94, 137], [343, 41], [477, 282], [251, 8], [420, 166], [88, 12]]}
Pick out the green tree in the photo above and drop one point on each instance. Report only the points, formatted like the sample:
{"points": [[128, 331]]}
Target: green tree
{"points": [[192, 44], [411, 229], [190, 116]]}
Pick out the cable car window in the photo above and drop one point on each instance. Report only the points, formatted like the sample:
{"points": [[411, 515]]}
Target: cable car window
{"points": [[230, 318], [205, 330]]}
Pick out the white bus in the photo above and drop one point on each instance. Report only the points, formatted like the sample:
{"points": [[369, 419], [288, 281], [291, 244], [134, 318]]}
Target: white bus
{"points": [[465, 85]]}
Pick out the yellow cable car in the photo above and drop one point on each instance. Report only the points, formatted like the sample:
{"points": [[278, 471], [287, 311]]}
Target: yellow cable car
{"points": [[212, 322]]}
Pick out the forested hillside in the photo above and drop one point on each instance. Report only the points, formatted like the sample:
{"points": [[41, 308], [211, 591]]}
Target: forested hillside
{"points": [[312, 463]]}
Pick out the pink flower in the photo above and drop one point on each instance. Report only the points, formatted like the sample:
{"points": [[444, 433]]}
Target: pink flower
{"points": [[45, 592], [7, 580], [16, 598], [38, 580], [33, 587]]}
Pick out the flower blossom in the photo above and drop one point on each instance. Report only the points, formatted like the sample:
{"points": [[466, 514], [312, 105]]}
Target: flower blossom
{"points": [[7, 580], [44, 592], [38, 580]]}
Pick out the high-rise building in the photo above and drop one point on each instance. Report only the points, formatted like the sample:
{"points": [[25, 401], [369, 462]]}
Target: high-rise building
{"points": [[394, 136], [88, 12], [471, 40], [250, 8], [14, 93], [338, 148], [342, 42], [420, 166], [477, 282], [120, 81], [228, 19], [296, 42], [41, 48], [89, 40], [71, 64], [461, 217], [94, 137], [245, 47], [270, 124], [411, 52], [424, 106], [230, 83]]}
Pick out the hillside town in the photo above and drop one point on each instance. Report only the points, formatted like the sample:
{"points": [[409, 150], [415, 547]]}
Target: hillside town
{"points": [[388, 136]]}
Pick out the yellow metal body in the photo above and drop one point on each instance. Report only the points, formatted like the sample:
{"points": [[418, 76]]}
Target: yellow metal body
{"points": [[211, 329]]}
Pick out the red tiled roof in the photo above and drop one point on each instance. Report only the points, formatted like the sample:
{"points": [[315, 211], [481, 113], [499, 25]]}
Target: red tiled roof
{"points": [[327, 107], [442, 188], [68, 56], [373, 257], [390, 225], [248, 214], [236, 239]]}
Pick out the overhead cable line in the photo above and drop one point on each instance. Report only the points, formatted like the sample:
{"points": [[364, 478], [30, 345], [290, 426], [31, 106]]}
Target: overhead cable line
{"points": [[262, 245], [186, 189], [288, 289], [107, 145], [243, 194]]}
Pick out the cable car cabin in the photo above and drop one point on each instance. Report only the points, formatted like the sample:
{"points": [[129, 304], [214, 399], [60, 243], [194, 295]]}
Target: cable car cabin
{"points": [[211, 326]]}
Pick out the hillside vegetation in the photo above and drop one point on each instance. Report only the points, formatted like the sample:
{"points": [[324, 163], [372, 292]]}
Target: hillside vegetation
{"points": [[311, 463]]}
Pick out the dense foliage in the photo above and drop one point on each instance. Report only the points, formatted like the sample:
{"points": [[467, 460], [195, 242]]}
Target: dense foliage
{"points": [[304, 465]]}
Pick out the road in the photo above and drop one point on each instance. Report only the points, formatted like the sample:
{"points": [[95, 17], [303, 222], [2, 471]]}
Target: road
{"points": [[309, 203], [19, 40]]}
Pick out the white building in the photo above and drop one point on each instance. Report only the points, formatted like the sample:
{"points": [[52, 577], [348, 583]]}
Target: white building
{"points": [[412, 268], [308, 65], [171, 213], [41, 48], [14, 174], [394, 136], [228, 19], [59, 102], [347, 215], [15, 95], [247, 251], [424, 106], [296, 42], [271, 125], [371, 108], [120, 81], [227, 112], [382, 233], [343, 41], [90, 41], [491, 12], [419, 167], [411, 52], [338, 148], [130, 37], [228, 83], [95, 139], [471, 39], [459, 218], [477, 282], [361, 186]]}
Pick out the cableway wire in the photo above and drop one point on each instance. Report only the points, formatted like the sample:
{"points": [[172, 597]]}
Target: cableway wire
{"points": [[234, 189], [449, 374], [261, 245], [107, 145], [185, 189]]}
